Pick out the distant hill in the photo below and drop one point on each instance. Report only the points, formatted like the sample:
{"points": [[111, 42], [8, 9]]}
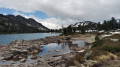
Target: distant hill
{"points": [[19, 24]]}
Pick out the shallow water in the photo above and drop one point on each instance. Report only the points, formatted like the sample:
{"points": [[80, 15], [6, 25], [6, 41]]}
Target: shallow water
{"points": [[63, 48], [53, 49], [50, 50]]}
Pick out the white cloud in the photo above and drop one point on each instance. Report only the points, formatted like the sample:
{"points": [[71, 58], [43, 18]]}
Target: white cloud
{"points": [[94, 10], [51, 23]]}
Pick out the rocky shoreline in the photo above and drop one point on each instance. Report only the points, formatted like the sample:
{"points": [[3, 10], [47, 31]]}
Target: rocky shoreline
{"points": [[19, 50]]}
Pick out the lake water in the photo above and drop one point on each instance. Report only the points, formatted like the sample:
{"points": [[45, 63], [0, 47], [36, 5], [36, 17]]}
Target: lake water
{"points": [[7, 38]]}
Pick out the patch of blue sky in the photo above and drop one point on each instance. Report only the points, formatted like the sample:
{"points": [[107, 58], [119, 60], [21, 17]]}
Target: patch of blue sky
{"points": [[38, 14], [6, 11]]}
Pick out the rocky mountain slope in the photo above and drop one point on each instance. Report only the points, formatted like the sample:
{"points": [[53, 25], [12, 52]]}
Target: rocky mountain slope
{"points": [[19, 24]]}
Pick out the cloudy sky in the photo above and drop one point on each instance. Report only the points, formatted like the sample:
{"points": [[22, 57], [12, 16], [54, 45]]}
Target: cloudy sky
{"points": [[54, 13]]}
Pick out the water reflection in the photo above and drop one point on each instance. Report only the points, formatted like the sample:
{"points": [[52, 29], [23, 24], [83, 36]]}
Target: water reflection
{"points": [[54, 49], [51, 49]]}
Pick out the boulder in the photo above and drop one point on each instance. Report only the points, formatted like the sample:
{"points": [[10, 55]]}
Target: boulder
{"points": [[35, 51], [81, 51], [23, 60], [24, 50], [87, 54], [34, 57], [42, 60], [114, 40], [15, 56], [19, 53], [8, 57], [90, 40], [90, 62]]}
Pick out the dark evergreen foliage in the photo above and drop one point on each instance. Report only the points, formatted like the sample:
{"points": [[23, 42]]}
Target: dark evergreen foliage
{"points": [[85, 26]]}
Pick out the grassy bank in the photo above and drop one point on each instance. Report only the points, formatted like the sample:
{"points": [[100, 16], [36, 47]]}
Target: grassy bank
{"points": [[104, 52]]}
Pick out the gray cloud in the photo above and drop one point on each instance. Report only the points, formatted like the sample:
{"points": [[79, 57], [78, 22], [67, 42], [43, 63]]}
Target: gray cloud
{"points": [[94, 10]]}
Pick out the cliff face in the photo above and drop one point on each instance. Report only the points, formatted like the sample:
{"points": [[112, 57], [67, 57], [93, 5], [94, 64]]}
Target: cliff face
{"points": [[19, 24]]}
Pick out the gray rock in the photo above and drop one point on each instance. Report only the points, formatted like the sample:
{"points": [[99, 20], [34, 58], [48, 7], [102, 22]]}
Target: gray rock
{"points": [[10, 56], [42, 60], [23, 60], [90, 40], [114, 40], [35, 51], [90, 62], [34, 57], [87, 54], [42, 63]]}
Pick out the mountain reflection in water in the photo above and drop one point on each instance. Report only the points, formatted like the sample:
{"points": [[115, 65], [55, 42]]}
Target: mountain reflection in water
{"points": [[53, 49]]}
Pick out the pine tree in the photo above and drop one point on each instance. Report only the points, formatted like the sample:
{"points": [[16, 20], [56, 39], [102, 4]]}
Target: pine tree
{"points": [[69, 29], [83, 30]]}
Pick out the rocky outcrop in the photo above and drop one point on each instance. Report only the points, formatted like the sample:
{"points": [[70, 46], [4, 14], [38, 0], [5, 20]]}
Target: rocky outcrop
{"points": [[20, 49]]}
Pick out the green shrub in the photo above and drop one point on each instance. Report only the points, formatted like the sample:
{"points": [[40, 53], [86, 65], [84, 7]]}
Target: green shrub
{"points": [[113, 49], [98, 42]]}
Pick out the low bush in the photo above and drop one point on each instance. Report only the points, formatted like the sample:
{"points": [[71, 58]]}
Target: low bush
{"points": [[98, 42], [79, 58], [112, 49]]}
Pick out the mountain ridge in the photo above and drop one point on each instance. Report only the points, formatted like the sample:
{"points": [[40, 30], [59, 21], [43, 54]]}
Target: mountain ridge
{"points": [[19, 24], [84, 23]]}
